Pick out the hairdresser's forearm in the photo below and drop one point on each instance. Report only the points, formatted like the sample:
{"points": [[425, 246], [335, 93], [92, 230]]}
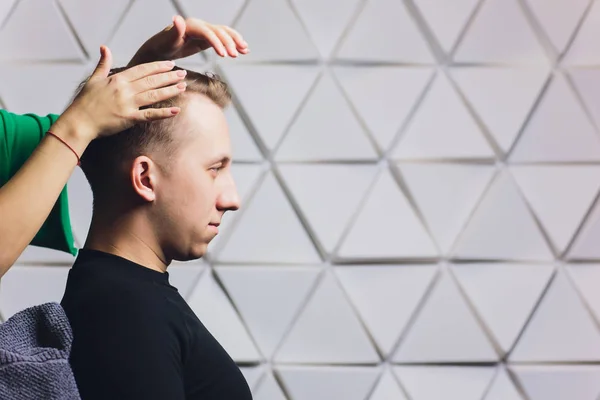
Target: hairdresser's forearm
{"points": [[27, 199]]}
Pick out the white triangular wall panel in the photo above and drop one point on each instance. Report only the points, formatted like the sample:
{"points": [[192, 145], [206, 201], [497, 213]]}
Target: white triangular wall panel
{"points": [[95, 21], [445, 330], [387, 388], [586, 278], [328, 195], [451, 382], [5, 8], [386, 297], [583, 50], [327, 331], [34, 255], [269, 231], [383, 118], [143, 20], [253, 375], [324, 122], [37, 31], [488, 41], [326, 24], [243, 146], [460, 185], [560, 330], [587, 84], [59, 82], [502, 97], [23, 287], [225, 14], [268, 299], [446, 19], [387, 227], [261, 89], [560, 196], [269, 389], [585, 245], [581, 382], [369, 37], [279, 37], [80, 205], [503, 388], [558, 130], [324, 383], [442, 128], [502, 228], [246, 178], [185, 275], [211, 305], [559, 19], [503, 295]]}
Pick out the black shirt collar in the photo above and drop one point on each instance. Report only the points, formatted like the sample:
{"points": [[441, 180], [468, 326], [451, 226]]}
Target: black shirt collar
{"points": [[106, 263]]}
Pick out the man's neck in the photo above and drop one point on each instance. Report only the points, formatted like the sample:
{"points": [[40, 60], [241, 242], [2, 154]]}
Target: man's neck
{"points": [[121, 237]]}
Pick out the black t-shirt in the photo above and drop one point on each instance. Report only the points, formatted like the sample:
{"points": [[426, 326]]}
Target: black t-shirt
{"points": [[135, 337]]}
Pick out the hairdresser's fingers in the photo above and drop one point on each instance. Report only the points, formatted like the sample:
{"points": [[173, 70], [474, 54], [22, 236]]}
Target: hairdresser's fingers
{"points": [[154, 114], [158, 80], [208, 33], [227, 40], [241, 44], [154, 96], [104, 64], [143, 70]]}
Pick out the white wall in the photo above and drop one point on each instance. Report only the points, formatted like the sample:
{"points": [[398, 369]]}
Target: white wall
{"points": [[420, 181]]}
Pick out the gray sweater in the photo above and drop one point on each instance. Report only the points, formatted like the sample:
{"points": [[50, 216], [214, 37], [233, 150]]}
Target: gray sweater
{"points": [[34, 355]]}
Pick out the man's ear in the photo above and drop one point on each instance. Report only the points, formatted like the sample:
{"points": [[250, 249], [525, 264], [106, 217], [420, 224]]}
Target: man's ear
{"points": [[144, 178]]}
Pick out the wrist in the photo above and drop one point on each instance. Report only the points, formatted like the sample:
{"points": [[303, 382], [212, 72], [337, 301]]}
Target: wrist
{"points": [[76, 133]]}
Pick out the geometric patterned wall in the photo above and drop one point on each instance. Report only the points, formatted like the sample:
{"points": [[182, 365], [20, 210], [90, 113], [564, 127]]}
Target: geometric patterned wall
{"points": [[420, 182]]}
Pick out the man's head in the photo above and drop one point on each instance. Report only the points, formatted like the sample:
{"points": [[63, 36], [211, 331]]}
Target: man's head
{"points": [[172, 176]]}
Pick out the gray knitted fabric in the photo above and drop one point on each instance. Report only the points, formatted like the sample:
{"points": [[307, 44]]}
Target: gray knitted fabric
{"points": [[34, 355]]}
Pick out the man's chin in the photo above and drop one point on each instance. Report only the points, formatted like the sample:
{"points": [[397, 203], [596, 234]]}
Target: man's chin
{"points": [[194, 253], [198, 251]]}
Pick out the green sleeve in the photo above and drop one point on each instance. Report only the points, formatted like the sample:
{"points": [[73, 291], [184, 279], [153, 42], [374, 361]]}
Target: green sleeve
{"points": [[19, 136]]}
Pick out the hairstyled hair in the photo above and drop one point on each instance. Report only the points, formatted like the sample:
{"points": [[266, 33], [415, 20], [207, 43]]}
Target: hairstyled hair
{"points": [[105, 159]]}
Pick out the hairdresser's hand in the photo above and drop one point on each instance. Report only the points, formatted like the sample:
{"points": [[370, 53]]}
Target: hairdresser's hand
{"points": [[107, 105], [186, 37]]}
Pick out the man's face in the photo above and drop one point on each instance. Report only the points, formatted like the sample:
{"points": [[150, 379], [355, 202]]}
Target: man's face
{"points": [[198, 188]]}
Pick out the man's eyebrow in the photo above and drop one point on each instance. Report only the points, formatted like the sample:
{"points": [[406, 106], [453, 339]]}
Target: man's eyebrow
{"points": [[224, 159]]}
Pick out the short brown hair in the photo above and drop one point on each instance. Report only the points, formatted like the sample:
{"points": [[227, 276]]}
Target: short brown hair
{"points": [[105, 158]]}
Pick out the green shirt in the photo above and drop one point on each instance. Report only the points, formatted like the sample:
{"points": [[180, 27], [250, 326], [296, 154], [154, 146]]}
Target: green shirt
{"points": [[19, 136]]}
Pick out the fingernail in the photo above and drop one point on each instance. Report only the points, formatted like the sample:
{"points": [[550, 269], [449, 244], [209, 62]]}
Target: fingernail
{"points": [[169, 64], [182, 73], [181, 85], [174, 111]]}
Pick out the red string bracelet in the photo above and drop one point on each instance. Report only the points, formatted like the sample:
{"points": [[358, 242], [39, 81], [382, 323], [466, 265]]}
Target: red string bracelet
{"points": [[66, 144]]}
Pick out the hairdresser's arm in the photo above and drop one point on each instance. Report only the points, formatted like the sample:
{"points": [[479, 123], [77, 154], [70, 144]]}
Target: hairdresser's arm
{"points": [[106, 105], [185, 37]]}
